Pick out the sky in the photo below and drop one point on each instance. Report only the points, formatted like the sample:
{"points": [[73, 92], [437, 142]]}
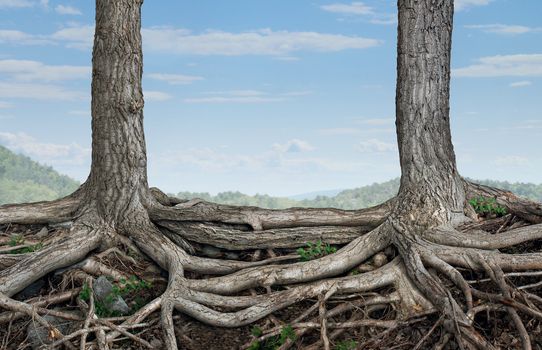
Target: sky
{"points": [[273, 96]]}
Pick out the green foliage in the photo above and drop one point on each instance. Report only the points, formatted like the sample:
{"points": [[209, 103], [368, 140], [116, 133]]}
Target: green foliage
{"points": [[487, 206], [23, 180], [84, 294], [272, 343], [315, 250], [16, 240], [346, 345], [126, 288]]}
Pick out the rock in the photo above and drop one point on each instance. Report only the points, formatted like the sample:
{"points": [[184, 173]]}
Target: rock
{"points": [[37, 335], [380, 260], [156, 344], [103, 291], [211, 252], [232, 256], [31, 291], [44, 232]]}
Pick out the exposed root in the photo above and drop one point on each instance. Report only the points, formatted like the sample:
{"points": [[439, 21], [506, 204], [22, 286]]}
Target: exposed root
{"points": [[524, 208], [41, 212]]}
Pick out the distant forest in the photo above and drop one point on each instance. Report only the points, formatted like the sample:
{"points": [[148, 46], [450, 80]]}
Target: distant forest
{"points": [[356, 198], [24, 180]]}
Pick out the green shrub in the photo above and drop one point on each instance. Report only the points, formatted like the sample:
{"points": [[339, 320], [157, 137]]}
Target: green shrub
{"points": [[315, 250]]}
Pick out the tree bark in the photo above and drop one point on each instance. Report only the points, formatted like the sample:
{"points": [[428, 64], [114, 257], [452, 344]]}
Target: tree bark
{"points": [[117, 184], [430, 184]]}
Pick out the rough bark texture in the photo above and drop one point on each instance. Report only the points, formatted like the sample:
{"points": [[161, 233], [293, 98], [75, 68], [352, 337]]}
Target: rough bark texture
{"points": [[430, 183], [117, 185]]}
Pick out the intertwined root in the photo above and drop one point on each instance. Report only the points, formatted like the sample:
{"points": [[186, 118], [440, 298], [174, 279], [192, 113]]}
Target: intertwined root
{"points": [[413, 282]]}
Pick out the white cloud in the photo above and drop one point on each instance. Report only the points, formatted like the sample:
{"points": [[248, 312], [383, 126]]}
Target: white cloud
{"points": [[21, 38], [243, 96], [175, 79], [504, 29], [522, 83], [378, 121], [258, 42], [77, 36], [354, 8], [51, 153], [156, 96], [339, 131], [293, 146], [24, 70], [44, 92], [460, 5], [511, 161], [4, 105], [211, 42], [521, 65], [232, 99], [67, 10], [16, 3], [375, 145]]}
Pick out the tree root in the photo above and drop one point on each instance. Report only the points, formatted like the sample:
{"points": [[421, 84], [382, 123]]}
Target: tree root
{"points": [[425, 260]]}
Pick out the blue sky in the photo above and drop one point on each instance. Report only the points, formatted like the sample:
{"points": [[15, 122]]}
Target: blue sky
{"points": [[273, 96]]}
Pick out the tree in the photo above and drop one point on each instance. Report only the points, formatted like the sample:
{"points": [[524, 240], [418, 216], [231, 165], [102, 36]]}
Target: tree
{"points": [[421, 224]]}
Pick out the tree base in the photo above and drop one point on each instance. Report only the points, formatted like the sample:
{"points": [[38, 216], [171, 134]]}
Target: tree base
{"points": [[396, 274]]}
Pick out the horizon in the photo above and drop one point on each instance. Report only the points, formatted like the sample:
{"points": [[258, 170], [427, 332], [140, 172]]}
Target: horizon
{"points": [[243, 97]]}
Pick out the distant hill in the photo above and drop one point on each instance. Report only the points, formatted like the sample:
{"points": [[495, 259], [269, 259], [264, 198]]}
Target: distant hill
{"points": [[24, 180], [356, 198]]}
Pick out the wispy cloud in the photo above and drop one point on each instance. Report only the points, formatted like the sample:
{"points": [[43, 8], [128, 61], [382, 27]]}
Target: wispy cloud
{"points": [[460, 5], [378, 121], [67, 10], [156, 96], [354, 8], [4, 105], [18, 37], [375, 145], [522, 83], [45, 92], [175, 79], [23, 3], [244, 96], [50, 153], [293, 146], [258, 42], [511, 161], [340, 131], [25, 70], [264, 42], [521, 65], [504, 29]]}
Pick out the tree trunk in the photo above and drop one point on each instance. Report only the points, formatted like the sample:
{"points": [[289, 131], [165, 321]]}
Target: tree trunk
{"points": [[117, 184], [430, 183]]}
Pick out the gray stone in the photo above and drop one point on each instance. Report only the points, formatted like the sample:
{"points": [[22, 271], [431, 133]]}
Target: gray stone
{"points": [[38, 335], [156, 344], [44, 232], [103, 291], [211, 251], [32, 290]]}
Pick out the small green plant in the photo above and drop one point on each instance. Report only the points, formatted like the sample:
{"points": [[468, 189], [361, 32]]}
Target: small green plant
{"points": [[346, 345], [84, 294], [272, 343], [487, 206], [16, 240], [315, 250]]}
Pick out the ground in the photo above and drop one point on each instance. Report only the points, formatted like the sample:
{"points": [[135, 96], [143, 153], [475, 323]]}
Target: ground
{"points": [[365, 326]]}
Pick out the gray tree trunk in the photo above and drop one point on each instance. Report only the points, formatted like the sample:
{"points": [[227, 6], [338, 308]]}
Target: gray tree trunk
{"points": [[430, 182], [118, 178]]}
